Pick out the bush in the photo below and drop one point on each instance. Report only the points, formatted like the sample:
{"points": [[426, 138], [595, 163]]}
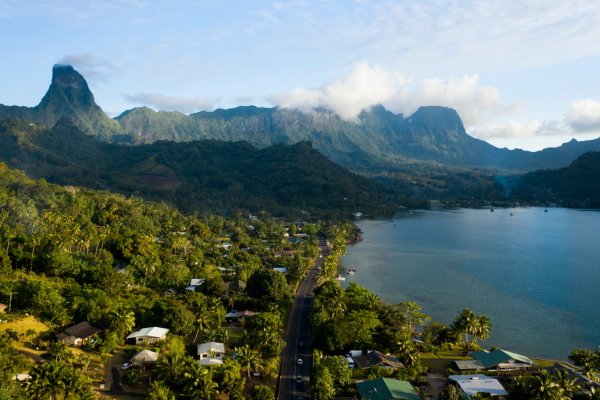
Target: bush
{"points": [[131, 376], [494, 348]]}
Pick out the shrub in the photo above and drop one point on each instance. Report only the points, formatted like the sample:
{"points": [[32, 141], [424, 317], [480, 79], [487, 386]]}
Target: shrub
{"points": [[131, 376]]}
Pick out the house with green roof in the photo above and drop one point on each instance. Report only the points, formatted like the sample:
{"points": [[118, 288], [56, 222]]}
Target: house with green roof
{"points": [[386, 389], [502, 359]]}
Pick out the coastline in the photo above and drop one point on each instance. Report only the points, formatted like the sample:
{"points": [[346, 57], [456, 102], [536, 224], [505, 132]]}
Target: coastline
{"points": [[370, 262]]}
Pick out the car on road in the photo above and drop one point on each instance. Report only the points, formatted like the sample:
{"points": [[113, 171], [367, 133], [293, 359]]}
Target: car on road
{"points": [[320, 255], [299, 398], [300, 345], [300, 362], [126, 366], [298, 379]]}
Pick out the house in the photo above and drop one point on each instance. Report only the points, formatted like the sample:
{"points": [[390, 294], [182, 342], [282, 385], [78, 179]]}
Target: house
{"points": [[170, 292], [147, 335], [386, 389], [78, 334], [235, 316], [502, 359], [195, 283], [470, 385], [377, 359], [228, 287], [357, 214], [144, 359], [211, 353], [3, 307], [553, 371], [278, 254], [224, 246]]}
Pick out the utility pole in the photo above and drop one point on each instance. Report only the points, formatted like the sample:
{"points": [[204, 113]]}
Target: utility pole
{"points": [[9, 301]]}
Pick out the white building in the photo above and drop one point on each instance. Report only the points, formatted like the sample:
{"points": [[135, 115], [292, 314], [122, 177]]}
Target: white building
{"points": [[147, 335], [211, 353], [470, 385]]}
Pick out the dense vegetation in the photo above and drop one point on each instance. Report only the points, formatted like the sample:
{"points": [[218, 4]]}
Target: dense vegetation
{"points": [[574, 186], [201, 176], [69, 255]]}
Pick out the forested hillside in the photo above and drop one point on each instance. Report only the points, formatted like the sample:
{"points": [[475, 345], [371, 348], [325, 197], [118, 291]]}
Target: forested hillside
{"points": [[203, 175], [576, 185]]}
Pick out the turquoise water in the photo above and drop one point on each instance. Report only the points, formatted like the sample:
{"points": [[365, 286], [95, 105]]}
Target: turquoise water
{"points": [[536, 275]]}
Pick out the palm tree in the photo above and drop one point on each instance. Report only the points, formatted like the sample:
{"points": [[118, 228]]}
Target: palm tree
{"points": [[544, 387], [30, 334], [203, 320], [593, 394], [567, 383], [248, 358], [210, 335], [45, 381], [197, 382], [224, 336], [122, 321], [36, 239], [76, 386], [171, 367], [484, 328], [466, 322]]}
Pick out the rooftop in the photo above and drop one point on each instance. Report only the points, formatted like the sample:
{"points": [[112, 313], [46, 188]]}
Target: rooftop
{"points": [[149, 332], [82, 330], [211, 346], [473, 384], [493, 358], [377, 358], [385, 389], [144, 357]]}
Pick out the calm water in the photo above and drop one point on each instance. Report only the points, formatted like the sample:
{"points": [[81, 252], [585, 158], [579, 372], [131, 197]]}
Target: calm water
{"points": [[536, 275]]}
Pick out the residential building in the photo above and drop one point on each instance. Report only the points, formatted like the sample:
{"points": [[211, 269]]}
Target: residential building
{"points": [[3, 307], [377, 359], [470, 385], [78, 334], [195, 283], [235, 316], [211, 353], [278, 254], [170, 292], [228, 287], [502, 359], [386, 389], [144, 359], [147, 336]]}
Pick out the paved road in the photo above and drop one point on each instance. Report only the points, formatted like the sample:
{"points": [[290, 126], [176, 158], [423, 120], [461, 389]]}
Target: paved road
{"points": [[298, 330]]}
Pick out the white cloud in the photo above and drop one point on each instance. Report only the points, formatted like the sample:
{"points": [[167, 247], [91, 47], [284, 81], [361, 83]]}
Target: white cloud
{"points": [[584, 116], [90, 66], [172, 103], [367, 86]]}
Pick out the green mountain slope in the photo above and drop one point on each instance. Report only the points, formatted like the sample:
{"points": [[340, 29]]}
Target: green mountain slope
{"points": [[204, 175], [70, 96], [575, 185]]}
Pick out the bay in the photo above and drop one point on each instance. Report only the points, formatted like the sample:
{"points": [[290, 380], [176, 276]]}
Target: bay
{"points": [[535, 274]]}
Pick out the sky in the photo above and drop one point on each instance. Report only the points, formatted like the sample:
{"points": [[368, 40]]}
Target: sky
{"points": [[521, 74]]}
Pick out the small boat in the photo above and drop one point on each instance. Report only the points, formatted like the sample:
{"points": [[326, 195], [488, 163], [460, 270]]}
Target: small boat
{"points": [[511, 214], [545, 210], [339, 278], [492, 210], [395, 224], [350, 272]]}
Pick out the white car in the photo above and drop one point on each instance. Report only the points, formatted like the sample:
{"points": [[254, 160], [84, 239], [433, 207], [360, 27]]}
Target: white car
{"points": [[300, 361], [320, 255], [126, 366]]}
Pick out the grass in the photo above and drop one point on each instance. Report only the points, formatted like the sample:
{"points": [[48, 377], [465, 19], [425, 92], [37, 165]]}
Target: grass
{"points": [[443, 360], [543, 363], [24, 325]]}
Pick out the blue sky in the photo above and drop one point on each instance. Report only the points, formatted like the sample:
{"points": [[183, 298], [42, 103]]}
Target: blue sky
{"points": [[520, 73]]}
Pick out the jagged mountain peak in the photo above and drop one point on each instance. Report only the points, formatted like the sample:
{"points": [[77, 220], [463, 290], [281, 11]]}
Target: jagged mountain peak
{"points": [[65, 76]]}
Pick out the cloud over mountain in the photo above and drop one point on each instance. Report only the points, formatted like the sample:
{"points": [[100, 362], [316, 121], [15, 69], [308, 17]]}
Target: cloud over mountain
{"points": [[172, 103]]}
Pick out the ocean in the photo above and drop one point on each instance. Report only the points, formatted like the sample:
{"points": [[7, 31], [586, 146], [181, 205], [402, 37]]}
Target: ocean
{"points": [[535, 274]]}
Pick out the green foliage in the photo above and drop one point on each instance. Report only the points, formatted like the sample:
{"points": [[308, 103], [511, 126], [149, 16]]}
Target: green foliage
{"points": [[322, 383], [450, 393], [262, 392], [268, 284], [131, 376]]}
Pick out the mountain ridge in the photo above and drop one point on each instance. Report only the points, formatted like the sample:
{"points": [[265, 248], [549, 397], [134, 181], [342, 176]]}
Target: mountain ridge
{"points": [[378, 141]]}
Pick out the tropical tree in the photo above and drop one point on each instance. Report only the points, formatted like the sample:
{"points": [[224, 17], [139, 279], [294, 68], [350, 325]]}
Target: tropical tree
{"points": [[203, 320], [160, 391], [197, 382], [262, 392], [544, 387], [466, 322], [484, 327], [122, 321], [31, 334], [171, 367], [248, 358], [567, 383], [593, 394]]}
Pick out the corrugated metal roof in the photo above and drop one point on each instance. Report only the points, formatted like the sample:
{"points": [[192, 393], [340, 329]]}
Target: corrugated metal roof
{"points": [[154, 332], [385, 389], [493, 358], [211, 346], [473, 384]]}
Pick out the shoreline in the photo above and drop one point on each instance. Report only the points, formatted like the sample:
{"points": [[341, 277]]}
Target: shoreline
{"points": [[342, 269]]}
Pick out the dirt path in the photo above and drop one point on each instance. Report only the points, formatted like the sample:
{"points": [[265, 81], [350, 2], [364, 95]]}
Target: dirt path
{"points": [[38, 358], [116, 389]]}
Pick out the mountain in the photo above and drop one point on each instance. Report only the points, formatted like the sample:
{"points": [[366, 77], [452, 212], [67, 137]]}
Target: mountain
{"points": [[379, 141], [69, 95], [576, 185], [200, 175]]}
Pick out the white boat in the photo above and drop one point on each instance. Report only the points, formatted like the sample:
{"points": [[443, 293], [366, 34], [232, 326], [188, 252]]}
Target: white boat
{"points": [[350, 272], [339, 278]]}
